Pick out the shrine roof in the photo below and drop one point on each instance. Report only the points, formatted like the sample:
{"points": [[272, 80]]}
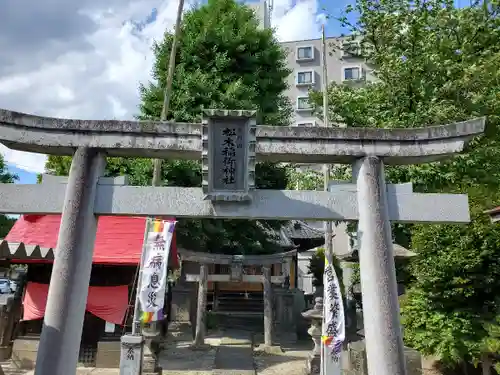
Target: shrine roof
{"points": [[298, 229], [119, 239], [280, 237], [399, 252]]}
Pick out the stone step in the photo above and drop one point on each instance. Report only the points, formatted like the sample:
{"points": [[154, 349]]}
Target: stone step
{"points": [[9, 368], [240, 307], [234, 355], [253, 322], [235, 294], [237, 301], [240, 304], [239, 298]]}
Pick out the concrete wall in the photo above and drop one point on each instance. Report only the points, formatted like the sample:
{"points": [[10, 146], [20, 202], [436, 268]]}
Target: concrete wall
{"points": [[304, 278], [341, 240], [262, 11]]}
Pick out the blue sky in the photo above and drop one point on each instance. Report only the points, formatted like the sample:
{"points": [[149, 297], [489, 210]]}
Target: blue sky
{"points": [[334, 9], [24, 177]]}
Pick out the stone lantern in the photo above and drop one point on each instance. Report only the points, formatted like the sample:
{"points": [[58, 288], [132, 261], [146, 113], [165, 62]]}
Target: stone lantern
{"points": [[315, 315]]}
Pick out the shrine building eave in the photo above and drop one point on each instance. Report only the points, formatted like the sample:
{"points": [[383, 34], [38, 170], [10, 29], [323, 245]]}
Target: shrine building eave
{"points": [[19, 251], [171, 140]]}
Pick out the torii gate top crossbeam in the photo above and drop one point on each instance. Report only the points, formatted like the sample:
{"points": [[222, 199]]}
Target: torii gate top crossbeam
{"points": [[246, 260], [56, 136]]}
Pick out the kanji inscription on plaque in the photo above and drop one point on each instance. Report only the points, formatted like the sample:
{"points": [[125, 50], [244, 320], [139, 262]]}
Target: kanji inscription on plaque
{"points": [[228, 157]]}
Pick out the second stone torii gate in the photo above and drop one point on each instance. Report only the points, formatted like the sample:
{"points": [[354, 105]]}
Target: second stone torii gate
{"points": [[232, 139], [237, 264]]}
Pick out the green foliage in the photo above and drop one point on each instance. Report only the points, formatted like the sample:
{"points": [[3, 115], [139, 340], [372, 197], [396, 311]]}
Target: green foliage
{"points": [[6, 177], [223, 61], [452, 309], [436, 64], [6, 224], [300, 178], [210, 320], [317, 268], [304, 179]]}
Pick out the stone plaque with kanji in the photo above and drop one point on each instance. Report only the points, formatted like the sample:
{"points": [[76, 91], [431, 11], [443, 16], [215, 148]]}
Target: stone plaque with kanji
{"points": [[228, 157], [131, 355], [236, 274]]}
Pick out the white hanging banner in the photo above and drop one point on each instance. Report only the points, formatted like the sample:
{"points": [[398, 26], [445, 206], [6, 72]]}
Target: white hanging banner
{"points": [[333, 327], [154, 271]]}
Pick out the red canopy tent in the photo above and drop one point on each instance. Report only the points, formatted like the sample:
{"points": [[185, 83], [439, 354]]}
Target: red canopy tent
{"points": [[119, 239]]}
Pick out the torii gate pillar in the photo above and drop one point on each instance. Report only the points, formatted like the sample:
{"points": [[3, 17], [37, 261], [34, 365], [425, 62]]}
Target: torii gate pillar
{"points": [[384, 341], [69, 282]]}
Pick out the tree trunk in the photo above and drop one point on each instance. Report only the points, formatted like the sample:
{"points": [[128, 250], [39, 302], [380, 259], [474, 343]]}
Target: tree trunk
{"points": [[486, 364], [199, 338], [464, 368]]}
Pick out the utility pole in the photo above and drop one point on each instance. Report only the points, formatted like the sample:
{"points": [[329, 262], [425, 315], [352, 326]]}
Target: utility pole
{"points": [[326, 167], [149, 359], [157, 162], [168, 87]]}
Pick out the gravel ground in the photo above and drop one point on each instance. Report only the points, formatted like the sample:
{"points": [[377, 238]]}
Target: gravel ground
{"points": [[270, 364], [291, 362]]}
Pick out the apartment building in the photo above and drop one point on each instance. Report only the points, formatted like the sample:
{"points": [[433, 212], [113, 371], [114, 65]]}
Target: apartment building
{"points": [[343, 61], [263, 12], [344, 65]]}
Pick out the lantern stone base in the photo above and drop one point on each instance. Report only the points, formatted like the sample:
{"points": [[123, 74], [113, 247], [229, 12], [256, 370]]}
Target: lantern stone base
{"points": [[313, 364], [269, 349], [315, 315], [200, 347], [150, 362]]}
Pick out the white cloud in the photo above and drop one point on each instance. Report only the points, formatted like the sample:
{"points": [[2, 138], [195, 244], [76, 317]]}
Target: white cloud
{"points": [[85, 59], [296, 20]]}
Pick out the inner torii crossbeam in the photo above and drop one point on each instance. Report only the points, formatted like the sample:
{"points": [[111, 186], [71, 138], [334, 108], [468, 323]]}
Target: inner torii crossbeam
{"points": [[228, 143]]}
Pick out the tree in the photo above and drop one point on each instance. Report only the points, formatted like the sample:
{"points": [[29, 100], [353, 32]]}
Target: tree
{"points": [[224, 60], [452, 309], [317, 269], [437, 64], [6, 177]]}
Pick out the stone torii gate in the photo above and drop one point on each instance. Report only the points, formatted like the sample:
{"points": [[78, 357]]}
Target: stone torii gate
{"points": [[227, 192], [237, 264]]}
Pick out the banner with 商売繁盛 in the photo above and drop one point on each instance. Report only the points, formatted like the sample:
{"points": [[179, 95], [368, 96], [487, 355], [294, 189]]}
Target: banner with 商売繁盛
{"points": [[333, 327]]}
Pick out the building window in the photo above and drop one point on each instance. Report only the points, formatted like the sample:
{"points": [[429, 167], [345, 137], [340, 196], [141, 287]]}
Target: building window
{"points": [[350, 48], [303, 103], [305, 53], [305, 78], [352, 74]]}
